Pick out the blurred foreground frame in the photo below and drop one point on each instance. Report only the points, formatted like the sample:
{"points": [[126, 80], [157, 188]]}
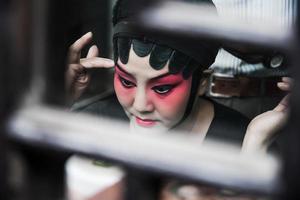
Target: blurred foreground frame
{"points": [[36, 115]]}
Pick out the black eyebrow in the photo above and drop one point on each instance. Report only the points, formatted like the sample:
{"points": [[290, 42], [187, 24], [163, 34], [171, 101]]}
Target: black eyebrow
{"points": [[161, 76], [123, 70], [155, 78]]}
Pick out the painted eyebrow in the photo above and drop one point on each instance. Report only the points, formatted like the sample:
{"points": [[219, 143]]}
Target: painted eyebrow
{"points": [[124, 71], [152, 79]]}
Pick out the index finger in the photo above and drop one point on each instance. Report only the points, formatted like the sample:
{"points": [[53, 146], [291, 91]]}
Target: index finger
{"points": [[77, 46], [97, 62]]}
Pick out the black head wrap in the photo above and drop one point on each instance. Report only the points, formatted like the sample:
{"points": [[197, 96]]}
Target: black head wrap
{"points": [[189, 60]]}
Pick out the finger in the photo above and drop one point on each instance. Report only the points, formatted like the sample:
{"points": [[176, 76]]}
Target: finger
{"points": [[76, 47], [283, 105], [97, 62], [71, 74], [93, 52], [287, 80], [284, 86]]}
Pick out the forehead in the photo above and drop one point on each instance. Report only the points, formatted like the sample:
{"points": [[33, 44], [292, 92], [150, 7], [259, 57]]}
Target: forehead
{"points": [[140, 66]]}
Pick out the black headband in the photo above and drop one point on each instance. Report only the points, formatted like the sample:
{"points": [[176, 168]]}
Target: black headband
{"points": [[182, 57], [203, 51]]}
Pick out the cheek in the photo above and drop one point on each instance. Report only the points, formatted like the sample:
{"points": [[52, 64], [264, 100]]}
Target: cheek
{"points": [[124, 95], [173, 105]]}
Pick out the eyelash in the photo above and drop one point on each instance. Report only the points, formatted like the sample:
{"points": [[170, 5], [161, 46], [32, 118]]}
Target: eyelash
{"points": [[126, 83], [166, 88]]}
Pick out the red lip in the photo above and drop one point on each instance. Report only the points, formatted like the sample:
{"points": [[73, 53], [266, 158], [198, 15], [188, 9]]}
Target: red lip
{"points": [[145, 122]]}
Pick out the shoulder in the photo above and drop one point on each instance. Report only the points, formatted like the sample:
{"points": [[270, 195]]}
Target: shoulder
{"points": [[107, 106], [228, 124]]}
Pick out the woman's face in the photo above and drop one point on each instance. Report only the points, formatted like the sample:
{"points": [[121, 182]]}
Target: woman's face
{"points": [[152, 99]]}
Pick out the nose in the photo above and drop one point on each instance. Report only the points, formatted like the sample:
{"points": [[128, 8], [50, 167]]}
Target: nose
{"points": [[142, 102]]}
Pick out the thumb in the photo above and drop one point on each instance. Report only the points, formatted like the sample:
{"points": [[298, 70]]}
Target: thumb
{"points": [[283, 105], [93, 52]]}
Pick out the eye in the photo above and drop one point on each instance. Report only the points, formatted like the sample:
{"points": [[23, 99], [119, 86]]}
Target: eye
{"points": [[126, 83], [163, 89]]}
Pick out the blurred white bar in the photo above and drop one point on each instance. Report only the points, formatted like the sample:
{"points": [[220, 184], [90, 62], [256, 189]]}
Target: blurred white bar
{"points": [[176, 154], [283, 12], [200, 20]]}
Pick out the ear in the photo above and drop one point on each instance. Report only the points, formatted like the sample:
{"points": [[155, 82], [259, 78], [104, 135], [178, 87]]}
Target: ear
{"points": [[202, 86]]}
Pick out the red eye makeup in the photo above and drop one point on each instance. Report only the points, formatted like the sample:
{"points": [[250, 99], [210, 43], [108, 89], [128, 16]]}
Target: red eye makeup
{"points": [[123, 73], [166, 83], [125, 78], [167, 79]]}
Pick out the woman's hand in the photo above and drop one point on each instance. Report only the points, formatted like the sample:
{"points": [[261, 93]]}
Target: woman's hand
{"points": [[77, 75], [262, 128]]}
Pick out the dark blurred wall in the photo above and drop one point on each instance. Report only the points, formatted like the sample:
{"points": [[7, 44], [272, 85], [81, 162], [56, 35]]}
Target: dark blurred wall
{"points": [[5, 90], [91, 15]]}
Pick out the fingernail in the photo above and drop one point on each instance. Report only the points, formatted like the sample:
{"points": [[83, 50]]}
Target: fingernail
{"points": [[111, 62], [88, 34], [94, 46]]}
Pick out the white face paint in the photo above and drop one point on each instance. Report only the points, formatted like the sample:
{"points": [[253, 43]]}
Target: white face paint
{"points": [[154, 100]]}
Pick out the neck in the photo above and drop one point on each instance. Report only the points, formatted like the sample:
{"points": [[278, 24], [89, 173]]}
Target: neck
{"points": [[199, 120]]}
